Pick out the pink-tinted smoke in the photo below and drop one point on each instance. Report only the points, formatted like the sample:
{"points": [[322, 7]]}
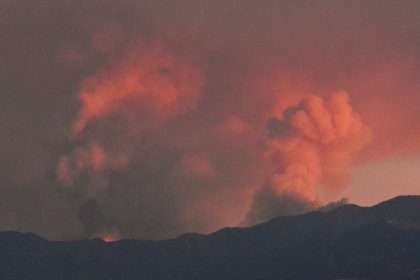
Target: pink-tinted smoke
{"points": [[312, 147]]}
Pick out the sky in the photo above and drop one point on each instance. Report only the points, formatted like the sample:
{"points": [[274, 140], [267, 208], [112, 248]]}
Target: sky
{"points": [[382, 180], [148, 119]]}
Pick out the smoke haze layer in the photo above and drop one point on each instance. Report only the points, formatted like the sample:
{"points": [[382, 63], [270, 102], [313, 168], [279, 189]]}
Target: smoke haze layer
{"points": [[147, 119]]}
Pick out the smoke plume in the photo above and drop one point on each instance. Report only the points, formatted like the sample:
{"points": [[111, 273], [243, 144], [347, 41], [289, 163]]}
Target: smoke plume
{"points": [[312, 147], [121, 107]]}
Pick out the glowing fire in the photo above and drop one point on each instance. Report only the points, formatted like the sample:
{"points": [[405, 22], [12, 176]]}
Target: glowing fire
{"points": [[108, 237]]}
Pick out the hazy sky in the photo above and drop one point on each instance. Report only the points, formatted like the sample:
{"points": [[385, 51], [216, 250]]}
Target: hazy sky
{"points": [[385, 179], [148, 119]]}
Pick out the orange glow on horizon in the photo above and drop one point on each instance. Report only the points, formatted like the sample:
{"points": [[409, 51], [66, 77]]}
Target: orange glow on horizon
{"points": [[108, 237]]}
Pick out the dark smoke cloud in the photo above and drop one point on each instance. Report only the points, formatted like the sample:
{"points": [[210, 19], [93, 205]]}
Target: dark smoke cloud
{"points": [[179, 148]]}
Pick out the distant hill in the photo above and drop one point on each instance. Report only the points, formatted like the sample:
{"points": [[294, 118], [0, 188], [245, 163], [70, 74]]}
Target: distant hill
{"points": [[349, 242]]}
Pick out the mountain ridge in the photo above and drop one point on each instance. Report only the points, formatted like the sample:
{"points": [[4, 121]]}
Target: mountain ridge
{"points": [[377, 242]]}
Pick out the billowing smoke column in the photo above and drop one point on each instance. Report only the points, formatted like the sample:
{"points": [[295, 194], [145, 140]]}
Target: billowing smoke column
{"points": [[312, 147], [121, 106]]}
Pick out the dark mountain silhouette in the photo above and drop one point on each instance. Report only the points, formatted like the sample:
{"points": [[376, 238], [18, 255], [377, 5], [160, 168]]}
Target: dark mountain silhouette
{"points": [[349, 242]]}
